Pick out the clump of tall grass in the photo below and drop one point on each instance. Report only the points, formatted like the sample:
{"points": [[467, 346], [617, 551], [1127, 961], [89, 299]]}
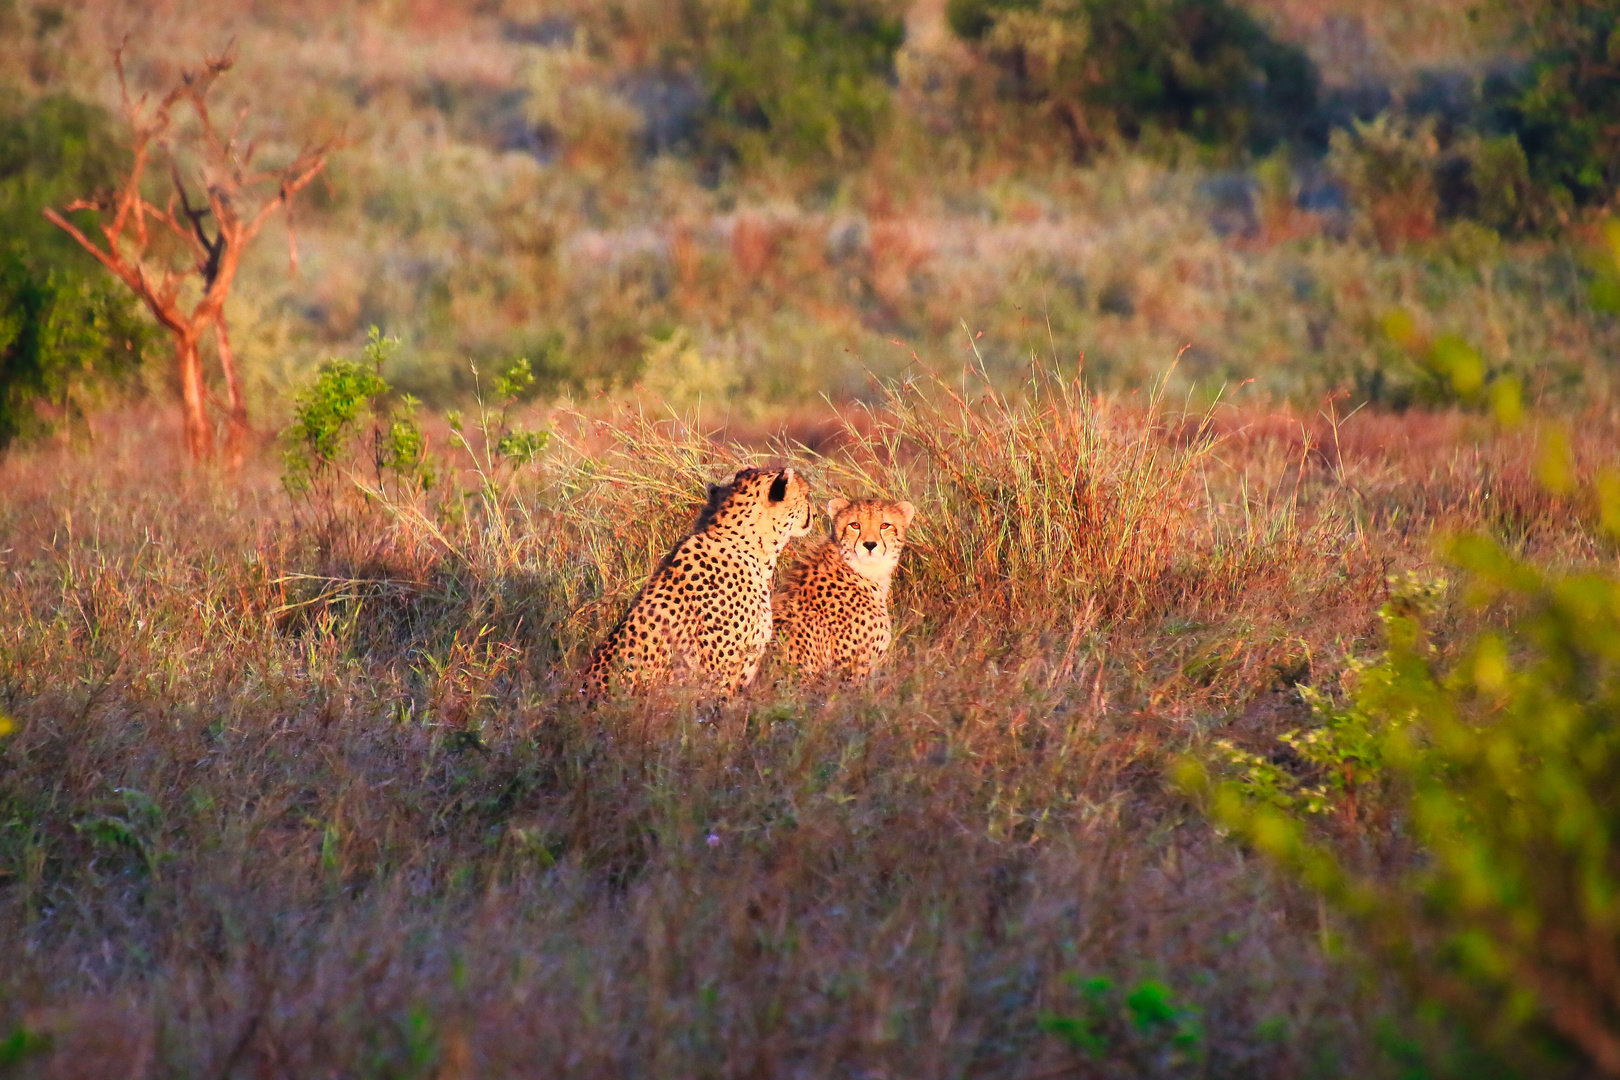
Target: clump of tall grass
{"points": [[1040, 501], [1051, 501], [1050, 505]]}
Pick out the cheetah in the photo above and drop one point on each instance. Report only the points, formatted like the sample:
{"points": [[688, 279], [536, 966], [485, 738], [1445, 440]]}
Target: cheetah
{"points": [[832, 613], [705, 614]]}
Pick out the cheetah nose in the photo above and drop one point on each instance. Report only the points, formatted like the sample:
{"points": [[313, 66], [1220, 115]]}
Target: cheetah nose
{"points": [[871, 545]]}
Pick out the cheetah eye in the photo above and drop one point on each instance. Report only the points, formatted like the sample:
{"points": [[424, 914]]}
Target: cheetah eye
{"points": [[887, 525], [853, 525]]}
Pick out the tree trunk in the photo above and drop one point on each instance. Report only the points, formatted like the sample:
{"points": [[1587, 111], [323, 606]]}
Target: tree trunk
{"points": [[236, 432], [193, 396]]}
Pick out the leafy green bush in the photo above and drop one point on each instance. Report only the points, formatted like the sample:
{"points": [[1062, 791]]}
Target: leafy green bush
{"points": [[1404, 180], [66, 333], [1478, 807], [343, 470], [805, 79], [1504, 195], [1541, 141], [1563, 113], [324, 430], [1203, 67]]}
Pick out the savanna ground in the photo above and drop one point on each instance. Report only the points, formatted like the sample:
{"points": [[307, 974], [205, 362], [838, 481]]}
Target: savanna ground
{"points": [[298, 785], [301, 798]]}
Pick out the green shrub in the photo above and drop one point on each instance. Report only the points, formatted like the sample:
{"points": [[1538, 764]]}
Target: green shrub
{"points": [[1144, 1027], [1478, 806], [1505, 195], [323, 435], [67, 334], [1563, 113], [344, 470], [1403, 180], [1202, 67], [65, 341], [805, 79]]}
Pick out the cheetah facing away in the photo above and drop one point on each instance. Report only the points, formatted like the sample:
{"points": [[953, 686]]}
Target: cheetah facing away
{"points": [[705, 614], [832, 613]]}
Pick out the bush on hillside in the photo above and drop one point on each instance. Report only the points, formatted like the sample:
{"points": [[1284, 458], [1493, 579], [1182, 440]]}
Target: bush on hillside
{"points": [[1563, 111], [731, 81], [66, 331], [805, 79], [1408, 175], [1205, 68], [1523, 147]]}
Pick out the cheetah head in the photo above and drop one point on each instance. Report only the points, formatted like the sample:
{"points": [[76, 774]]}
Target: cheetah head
{"points": [[773, 504], [870, 534]]}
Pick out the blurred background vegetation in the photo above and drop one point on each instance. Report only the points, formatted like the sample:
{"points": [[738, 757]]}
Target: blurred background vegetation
{"points": [[785, 195]]}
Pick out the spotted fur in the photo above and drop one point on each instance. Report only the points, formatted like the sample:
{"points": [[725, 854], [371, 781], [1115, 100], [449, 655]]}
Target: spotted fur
{"points": [[832, 613], [705, 614]]}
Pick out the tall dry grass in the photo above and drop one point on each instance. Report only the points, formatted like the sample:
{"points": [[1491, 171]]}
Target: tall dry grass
{"points": [[278, 808]]}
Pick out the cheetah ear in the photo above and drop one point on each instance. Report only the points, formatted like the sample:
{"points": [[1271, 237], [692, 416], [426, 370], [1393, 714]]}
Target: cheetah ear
{"points": [[836, 507], [779, 486], [907, 511]]}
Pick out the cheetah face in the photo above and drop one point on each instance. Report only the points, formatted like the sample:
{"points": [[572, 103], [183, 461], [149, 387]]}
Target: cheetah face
{"points": [[773, 504], [870, 533]]}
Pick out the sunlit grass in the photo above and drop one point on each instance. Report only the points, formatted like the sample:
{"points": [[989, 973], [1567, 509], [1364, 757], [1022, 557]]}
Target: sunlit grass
{"points": [[269, 796]]}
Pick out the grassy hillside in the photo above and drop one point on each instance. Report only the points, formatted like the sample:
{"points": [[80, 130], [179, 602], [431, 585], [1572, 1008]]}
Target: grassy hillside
{"points": [[517, 186]]}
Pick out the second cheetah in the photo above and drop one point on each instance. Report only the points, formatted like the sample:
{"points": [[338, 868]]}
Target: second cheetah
{"points": [[832, 614]]}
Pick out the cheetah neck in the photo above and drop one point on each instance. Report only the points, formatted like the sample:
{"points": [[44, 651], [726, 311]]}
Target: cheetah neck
{"points": [[746, 539]]}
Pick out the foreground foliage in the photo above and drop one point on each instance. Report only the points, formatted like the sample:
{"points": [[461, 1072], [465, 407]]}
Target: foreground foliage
{"points": [[1487, 794]]}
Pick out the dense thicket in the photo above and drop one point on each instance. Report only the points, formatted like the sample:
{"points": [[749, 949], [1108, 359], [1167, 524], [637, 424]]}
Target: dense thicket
{"points": [[1563, 110], [1203, 67], [65, 329], [803, 78]]}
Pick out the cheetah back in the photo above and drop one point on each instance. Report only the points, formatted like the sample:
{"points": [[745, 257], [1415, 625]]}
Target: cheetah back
{"points": [[705, 614]]}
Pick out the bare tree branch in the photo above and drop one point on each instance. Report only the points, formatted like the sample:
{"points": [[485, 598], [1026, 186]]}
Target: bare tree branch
{"points": [[228, 193]]}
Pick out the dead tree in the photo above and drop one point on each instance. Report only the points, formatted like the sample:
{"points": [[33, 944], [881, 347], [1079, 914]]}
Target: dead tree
{"points": [[235, 204]]}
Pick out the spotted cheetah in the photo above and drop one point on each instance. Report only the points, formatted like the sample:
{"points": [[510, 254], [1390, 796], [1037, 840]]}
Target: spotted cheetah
{"points": [[705, 613], [832, 613]]}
